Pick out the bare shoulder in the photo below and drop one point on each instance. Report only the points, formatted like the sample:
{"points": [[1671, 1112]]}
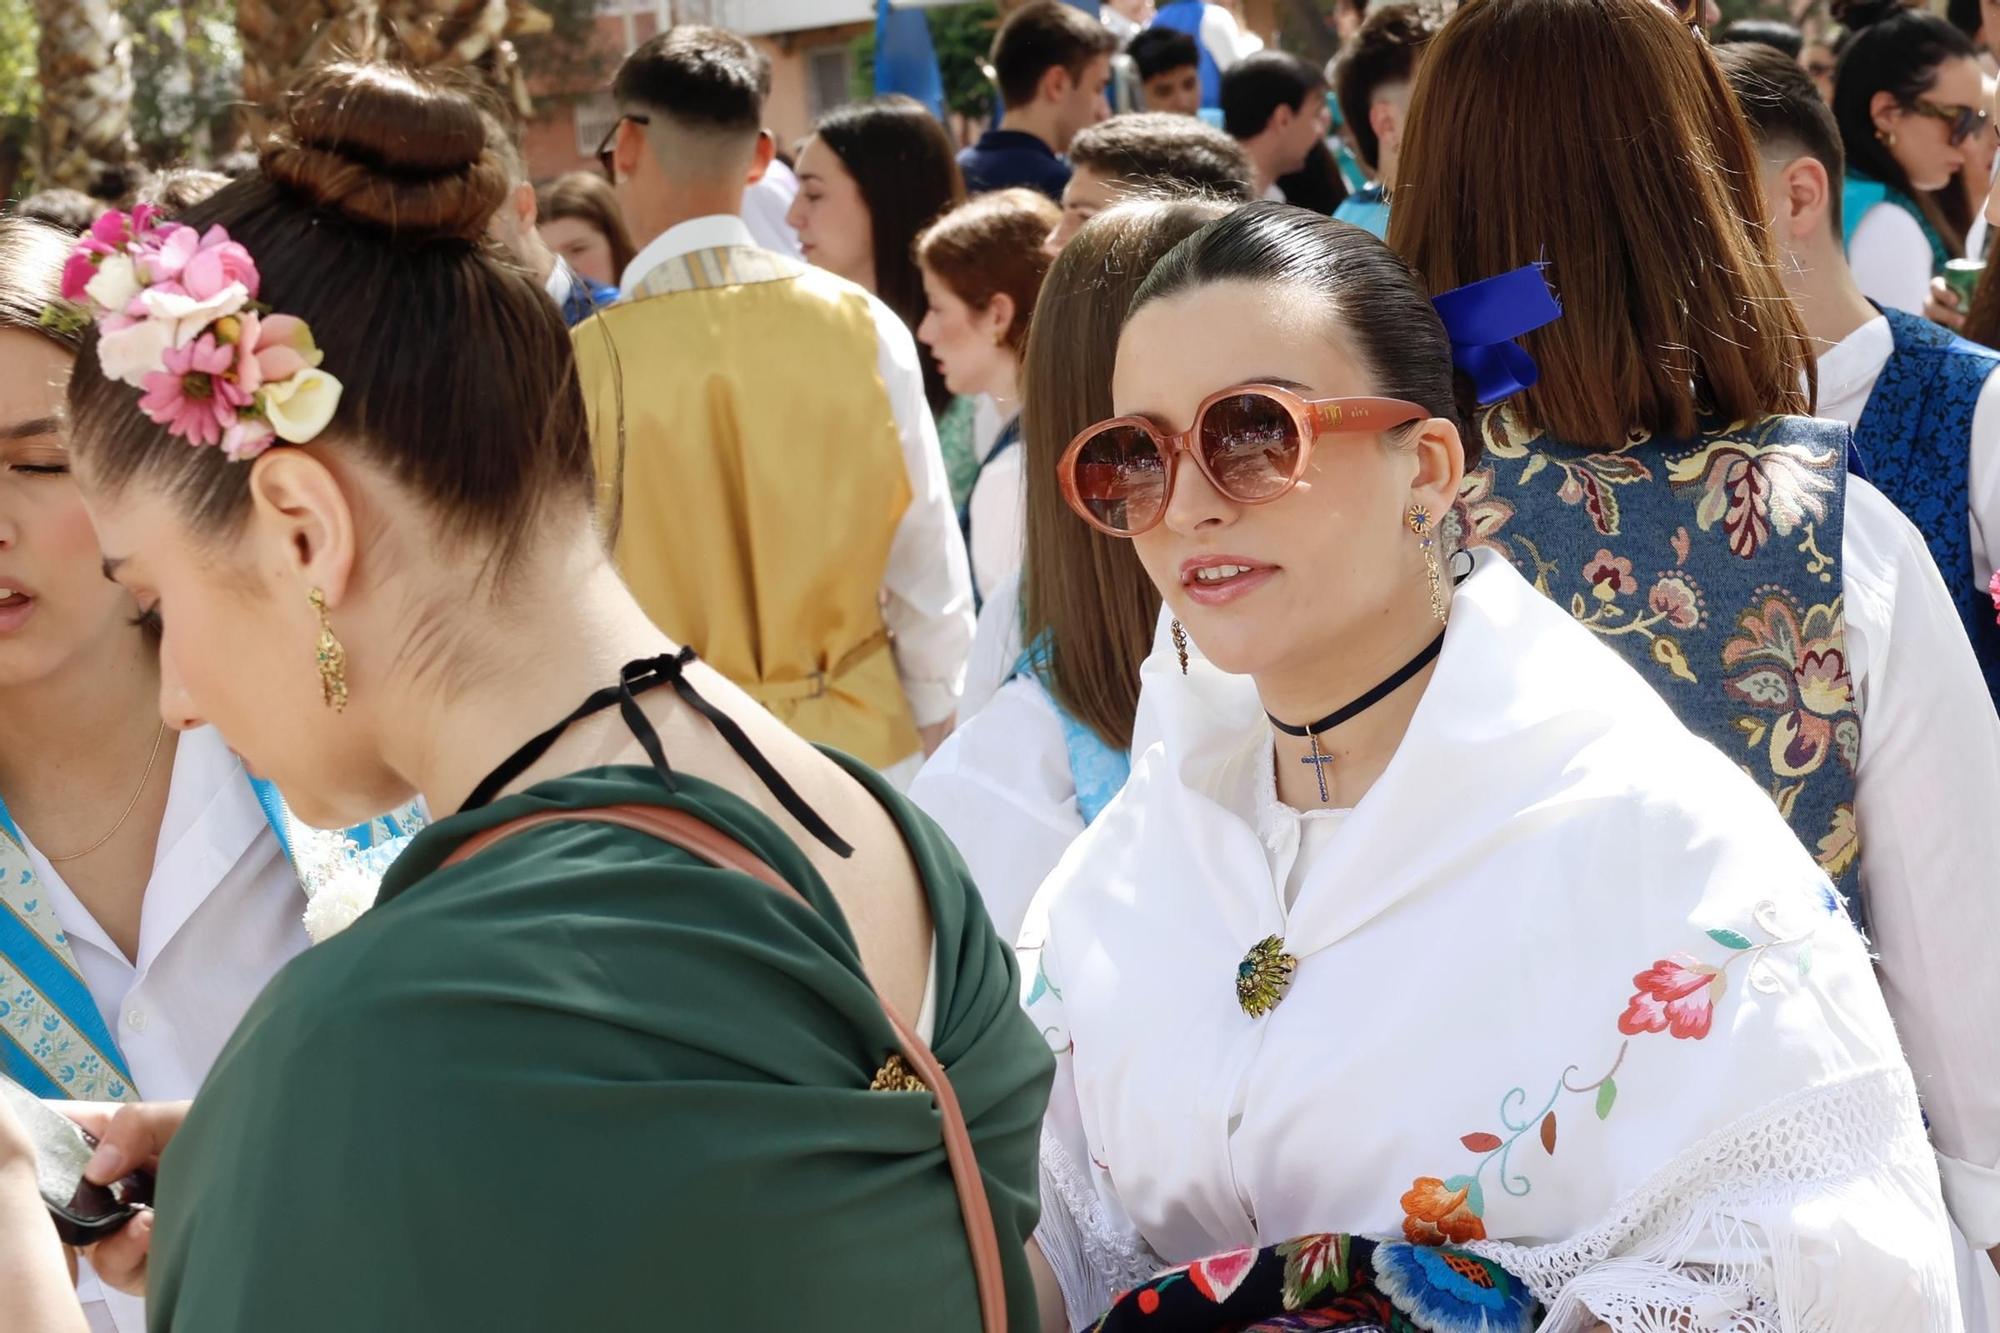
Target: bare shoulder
{"points": [[879, 887]]}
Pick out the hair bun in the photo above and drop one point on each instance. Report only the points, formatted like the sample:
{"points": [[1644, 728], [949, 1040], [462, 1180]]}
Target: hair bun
{"points": [[1854, 15], [391, 148]]}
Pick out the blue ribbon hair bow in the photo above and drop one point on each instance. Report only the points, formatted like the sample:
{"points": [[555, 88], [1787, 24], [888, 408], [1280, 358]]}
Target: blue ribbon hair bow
{"points": [[1483, 319]]}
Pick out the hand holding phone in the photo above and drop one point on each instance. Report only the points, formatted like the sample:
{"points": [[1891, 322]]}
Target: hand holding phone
{"points": [[84, 1212]]}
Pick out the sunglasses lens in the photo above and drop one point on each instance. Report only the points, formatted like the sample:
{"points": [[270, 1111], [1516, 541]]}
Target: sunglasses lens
{"points": [[1121, 479], [1250, 445]]}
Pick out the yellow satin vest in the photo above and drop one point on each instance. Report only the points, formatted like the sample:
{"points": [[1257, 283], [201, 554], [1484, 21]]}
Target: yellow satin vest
{"points": [[763, 480]]}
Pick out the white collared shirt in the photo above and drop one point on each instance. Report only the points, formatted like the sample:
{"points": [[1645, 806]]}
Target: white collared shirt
{"points": [[927, 587], [1847, 374], [222, 913]]}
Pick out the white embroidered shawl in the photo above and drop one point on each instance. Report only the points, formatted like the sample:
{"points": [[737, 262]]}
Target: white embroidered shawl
{"points": [[1569, 992]]}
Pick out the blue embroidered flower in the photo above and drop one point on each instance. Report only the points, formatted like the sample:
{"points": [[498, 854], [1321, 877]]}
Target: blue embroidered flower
{"points": [[1828, 898], [1449, 1291]]}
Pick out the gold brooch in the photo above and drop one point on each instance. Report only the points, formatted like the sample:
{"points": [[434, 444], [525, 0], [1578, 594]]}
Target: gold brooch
{"points": [[1264, 975]]}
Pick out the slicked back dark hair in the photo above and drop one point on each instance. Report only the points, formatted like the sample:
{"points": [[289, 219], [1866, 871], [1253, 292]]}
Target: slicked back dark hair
{"points": [[1374, 299]]}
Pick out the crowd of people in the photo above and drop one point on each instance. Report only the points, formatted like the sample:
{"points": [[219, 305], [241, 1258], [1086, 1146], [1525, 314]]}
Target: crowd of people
{"points": [[1270, 697]]}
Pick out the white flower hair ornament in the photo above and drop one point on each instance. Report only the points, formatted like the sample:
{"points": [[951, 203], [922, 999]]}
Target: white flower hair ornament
{"points": [[177, 316]]}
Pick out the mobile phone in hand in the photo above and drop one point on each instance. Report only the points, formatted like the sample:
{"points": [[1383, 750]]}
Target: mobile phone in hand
{"points": [[84, 1213]]}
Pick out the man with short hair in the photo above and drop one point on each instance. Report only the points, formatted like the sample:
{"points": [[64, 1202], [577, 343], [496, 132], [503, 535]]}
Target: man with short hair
{"points": [[514, 228], [772, 482], [1274, 103], [1156, 151], [1051, 62], [1372, 78], [1169, 69], [1924, 404]]}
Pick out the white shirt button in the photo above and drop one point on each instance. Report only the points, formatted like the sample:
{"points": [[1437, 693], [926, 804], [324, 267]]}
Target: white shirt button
{"points": [[136, 1020]]}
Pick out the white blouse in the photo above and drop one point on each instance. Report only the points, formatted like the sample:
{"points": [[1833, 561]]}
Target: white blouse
{"points": [[222, 913]]}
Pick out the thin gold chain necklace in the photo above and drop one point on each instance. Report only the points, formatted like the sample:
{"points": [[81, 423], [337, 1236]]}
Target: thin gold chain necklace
{"points": [[130, 806]]}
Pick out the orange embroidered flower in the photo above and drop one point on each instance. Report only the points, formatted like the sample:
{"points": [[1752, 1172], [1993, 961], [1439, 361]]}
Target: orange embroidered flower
{"points": [[1440, 1214]]}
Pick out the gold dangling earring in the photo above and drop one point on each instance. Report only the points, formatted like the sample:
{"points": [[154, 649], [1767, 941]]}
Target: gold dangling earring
{"points": [[1180, 645], [1888, 138], [331, 656], [1419, 519]]}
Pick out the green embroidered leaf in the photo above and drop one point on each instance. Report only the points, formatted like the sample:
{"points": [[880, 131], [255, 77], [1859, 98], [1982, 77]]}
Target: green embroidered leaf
{"points": [[1607, 1096], [1481, 1142], [1805, 961], [1729, 939], [1535, 464], [1314, 1264]]}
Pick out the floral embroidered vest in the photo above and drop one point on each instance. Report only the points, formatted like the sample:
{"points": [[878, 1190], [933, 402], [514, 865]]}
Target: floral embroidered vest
{"points": [[1916, 439], [1713, 565]]}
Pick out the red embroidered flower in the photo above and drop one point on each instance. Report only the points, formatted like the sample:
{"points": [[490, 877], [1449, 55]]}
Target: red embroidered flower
{"points": [[1610, 575], [1675, 995], [1993, 590]]}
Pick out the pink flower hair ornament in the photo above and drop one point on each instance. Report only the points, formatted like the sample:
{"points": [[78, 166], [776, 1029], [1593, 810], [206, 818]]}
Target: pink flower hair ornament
{"points": [[176, 316]]}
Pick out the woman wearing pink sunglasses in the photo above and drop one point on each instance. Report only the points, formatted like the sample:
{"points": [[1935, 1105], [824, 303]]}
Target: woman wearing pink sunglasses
{"points": [[1421, 918]]}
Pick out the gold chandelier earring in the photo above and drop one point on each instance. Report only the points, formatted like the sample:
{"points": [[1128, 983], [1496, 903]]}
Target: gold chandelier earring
{"points": [[1180, 645], [331, 657], [1419, 521]]}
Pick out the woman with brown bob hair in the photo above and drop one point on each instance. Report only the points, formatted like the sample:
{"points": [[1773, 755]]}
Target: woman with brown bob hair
{"points": [[1019, 780], [982, 266], [580, 220], [1660, 482], [702, 932]]}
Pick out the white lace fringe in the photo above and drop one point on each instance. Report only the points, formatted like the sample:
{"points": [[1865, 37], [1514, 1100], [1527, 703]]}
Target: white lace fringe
{"points": [[1739, 1193], [1736, 1193]]}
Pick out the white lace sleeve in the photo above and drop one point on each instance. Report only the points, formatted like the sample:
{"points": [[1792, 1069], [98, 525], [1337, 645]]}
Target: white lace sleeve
{"points": [[1092, 1247], [1816, 1213]]}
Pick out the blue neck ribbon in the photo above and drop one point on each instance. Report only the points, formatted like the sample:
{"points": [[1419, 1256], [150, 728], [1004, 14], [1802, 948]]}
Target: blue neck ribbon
{"points": [[1483, 319]]}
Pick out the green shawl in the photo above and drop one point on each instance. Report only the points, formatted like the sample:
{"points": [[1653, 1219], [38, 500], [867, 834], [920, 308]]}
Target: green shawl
{"points": [[585, 1081]]}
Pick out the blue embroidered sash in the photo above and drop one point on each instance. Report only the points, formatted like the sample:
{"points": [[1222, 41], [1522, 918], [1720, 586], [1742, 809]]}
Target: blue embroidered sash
{"points": [[1097, 769], [1917, 436], [53, 1041]]}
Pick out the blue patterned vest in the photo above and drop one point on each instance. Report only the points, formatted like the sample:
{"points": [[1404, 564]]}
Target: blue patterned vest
{"points": [[1713, 565], [1916, 436]]}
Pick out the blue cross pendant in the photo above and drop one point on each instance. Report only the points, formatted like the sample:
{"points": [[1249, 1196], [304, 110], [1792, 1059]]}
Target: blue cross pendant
{"points": [[1319, 762]]}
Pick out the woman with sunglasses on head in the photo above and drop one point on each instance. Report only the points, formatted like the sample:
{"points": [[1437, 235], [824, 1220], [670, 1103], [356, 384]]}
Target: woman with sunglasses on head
{"points": [[1420, 915], [1661, 483], [1022, 777], [1908, 96]]}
